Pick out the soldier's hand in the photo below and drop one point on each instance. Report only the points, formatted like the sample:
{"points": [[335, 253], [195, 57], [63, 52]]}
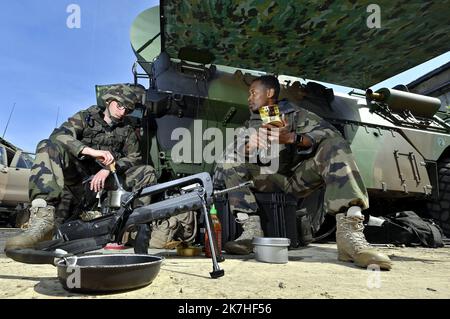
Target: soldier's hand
{"points": [[98, 181], [252, 143], [282, 134], [105, 157], [257, 140]]}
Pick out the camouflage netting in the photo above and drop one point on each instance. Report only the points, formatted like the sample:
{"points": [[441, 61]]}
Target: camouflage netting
{"points": [[322, 40]]}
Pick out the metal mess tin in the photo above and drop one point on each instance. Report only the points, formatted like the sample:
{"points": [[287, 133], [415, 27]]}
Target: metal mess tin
{"points": [[271, 250]]}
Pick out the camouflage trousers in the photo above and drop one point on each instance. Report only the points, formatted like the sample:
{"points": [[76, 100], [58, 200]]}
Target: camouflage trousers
{"points": [[57, 177], [332, 167]]}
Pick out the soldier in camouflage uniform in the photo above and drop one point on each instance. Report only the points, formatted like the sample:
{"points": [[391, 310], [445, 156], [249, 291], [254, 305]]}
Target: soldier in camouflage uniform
{"points": [[312, 154], [72, 155]]}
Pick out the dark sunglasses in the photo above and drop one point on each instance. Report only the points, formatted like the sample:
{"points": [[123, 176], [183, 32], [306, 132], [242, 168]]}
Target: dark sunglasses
{"points": [[122, 107]]}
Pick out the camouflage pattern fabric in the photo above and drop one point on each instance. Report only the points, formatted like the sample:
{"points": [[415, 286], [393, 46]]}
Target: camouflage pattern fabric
{"points": [[330, 163], [324, 40], [87, 128], [169, 233], [124, 94], [57, 177], [58, 170]]}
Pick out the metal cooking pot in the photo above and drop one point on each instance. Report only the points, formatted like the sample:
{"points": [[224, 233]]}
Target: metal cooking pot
{"points": [[95, 273], [107, 272]]}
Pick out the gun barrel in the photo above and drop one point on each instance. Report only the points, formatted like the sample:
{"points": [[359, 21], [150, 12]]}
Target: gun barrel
{"points": [[231, 189], [399, 101]]}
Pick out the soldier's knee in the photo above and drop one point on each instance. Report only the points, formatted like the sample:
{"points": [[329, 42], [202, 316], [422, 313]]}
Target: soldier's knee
{"points": [[333, 147]]}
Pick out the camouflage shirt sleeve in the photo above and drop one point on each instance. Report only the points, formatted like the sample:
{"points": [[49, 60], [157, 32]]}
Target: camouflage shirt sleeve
{"points": [[70, 133], [132, 153], [316, 128]]}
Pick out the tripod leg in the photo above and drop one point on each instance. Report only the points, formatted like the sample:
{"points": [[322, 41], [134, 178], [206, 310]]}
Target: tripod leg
{"points": [[217, 272], [219, 256]]}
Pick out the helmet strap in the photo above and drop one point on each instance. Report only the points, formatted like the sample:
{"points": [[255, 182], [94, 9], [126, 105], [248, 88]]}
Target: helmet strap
{"points": [[113, 120]]}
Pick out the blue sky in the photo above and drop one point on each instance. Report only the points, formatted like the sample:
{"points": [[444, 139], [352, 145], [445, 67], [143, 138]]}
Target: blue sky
{"points": [[45, 66]]}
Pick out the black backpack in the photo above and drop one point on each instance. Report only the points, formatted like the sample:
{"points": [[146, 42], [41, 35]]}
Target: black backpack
{"points": [[405, 228]]}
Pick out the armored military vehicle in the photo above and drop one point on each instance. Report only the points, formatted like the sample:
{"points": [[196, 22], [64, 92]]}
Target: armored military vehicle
{"points": [[15, 165], [197, 59]]}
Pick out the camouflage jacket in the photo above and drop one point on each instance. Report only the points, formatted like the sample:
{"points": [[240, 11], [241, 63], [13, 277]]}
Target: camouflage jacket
{"points": [[302, 122], [87, 128]]}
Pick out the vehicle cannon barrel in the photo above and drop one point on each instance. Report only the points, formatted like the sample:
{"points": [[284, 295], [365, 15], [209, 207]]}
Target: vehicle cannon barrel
{"points": [[399, 101]]}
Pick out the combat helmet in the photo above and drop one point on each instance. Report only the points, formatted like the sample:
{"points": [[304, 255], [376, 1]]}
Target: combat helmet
{"points": [[123, 94]]}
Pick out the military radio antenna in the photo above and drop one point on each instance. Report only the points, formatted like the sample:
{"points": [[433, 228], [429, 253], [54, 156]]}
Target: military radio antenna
{"points": [[7, 123]]}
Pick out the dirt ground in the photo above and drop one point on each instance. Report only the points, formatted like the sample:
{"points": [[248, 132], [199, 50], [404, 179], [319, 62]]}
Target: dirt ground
{"points": [[312, 272]]}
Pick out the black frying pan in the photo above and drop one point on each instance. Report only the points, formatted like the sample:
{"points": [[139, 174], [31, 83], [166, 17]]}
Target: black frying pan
{"points": [[96, 273]]}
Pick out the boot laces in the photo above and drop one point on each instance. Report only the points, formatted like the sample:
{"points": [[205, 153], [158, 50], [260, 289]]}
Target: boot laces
{"points": [[40, 222], [352, 229]]}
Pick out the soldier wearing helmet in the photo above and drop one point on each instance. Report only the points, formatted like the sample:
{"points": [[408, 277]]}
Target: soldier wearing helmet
{"points": [[120, 100], [73, 154]]}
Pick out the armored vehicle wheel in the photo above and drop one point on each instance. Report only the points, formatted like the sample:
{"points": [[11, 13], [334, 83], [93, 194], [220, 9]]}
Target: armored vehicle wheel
{"points": [[440, 209]]}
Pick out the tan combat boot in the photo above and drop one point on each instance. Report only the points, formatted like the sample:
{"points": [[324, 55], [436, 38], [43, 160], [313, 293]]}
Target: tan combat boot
{"points": [[353, 246], [243, 244], [41, 226]]}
